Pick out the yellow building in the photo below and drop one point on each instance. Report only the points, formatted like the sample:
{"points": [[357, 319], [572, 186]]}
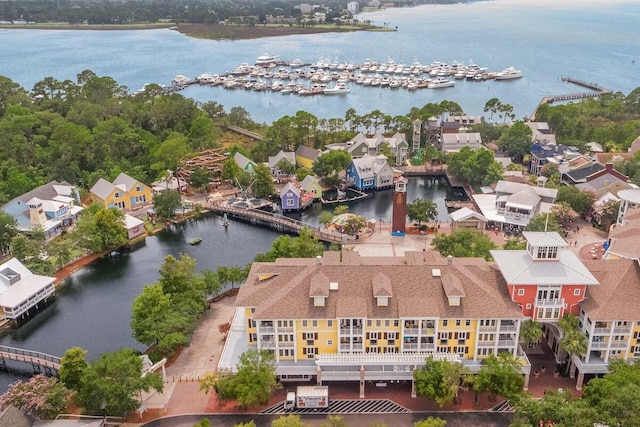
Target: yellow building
{"points": [[124, 193], [306, 156], [373, 318]]}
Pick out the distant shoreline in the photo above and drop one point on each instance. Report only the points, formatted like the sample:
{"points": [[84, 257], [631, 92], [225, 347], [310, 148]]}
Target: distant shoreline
{"points": [[200, 31]]}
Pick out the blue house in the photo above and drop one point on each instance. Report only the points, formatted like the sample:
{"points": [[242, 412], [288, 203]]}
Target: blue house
{"points": [[290, 197], [370, 173]]}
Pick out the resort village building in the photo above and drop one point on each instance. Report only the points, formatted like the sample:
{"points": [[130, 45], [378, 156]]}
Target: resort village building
{"points": [[50, 208], [514, 203], [361, 145], [347, 317], [370, 173], [286, 156], [124, 193], [22, 292], [623, 241]]}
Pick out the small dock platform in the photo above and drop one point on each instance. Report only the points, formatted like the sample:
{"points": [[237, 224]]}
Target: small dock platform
{"points": [[359, 195]]}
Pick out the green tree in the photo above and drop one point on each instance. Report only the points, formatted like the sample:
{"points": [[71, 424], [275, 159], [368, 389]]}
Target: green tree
{"points": [[43, 397], [61, 251], [477, 167], [559, 408], [514, 244], [431, 422], [72, 366], [516, 141], [205, 422], [544, 222], [290, 420], [493, 106], [110, 228], [7, 230], [330, 163], [334, 421], [255, 380], [422, 210], [247, 424], [464, 243], [198, 179], [580, 201], [530, 331], [305, 245], [286, 167], [563, 213], [110, 385], [500, 375], [302, 173], [166, 203], [440, 380], [263, 186], [325, 218]]}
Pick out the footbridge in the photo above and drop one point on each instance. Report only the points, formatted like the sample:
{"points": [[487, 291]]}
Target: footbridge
{"points": [[40, 362], [276, 221]]}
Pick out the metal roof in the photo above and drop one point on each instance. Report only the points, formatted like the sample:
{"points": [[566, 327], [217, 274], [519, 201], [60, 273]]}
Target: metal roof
{"points": [[519, 268], [544, 238]]}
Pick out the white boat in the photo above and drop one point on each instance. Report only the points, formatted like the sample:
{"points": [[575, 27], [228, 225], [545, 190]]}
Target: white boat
{"points": [[339, 89], [296, 63], [266, 59], [509, 74], [441, 82]]}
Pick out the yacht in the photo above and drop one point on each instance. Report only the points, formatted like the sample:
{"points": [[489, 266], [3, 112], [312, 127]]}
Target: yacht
{"points": [[296, 63], [266, 59], [340, 88], [441, 82], [508, 74]]}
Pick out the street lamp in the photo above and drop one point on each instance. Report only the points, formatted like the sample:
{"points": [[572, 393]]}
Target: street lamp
{"points": [[380, 220]]}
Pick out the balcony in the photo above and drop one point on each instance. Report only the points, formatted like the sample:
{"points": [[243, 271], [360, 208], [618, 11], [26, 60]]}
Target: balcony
{"points": [[506, 343], [619, 345], [601, 331], [350, 331], [411, 331], [267, 344], [487, 327], [285, 344], [410, 346], [545, 302], [428, 331], [599, 345], [508, 328], [266, 329], [486, 343], [351, 347], [622, 330], [426, 346]]}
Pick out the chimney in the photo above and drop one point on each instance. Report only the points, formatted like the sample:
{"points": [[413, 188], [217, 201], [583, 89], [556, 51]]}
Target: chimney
{"points": [[608, 167]]}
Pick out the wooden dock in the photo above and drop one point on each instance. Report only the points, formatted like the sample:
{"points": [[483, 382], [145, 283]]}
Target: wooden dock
{"points": [[597, 91], [358, 196], [278, 222]]}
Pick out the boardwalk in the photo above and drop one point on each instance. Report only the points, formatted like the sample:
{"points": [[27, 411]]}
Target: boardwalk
{"points": [[277, 222], [36, 359], [597, 91], [245, 132]]}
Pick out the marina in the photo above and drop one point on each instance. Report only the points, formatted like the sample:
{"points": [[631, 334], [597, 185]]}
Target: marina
{"points": [[325, 77]]}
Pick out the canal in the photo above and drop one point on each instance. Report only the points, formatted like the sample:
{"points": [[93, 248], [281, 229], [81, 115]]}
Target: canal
{"points": [[93, 307]]}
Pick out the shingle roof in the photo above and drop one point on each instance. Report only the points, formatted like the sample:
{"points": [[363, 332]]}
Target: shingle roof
{"points": [[307, 152], [102, 188], [519, 268], [125, 182], [619, 292], [289, 156], [414, 290], [508, 187], [581, 174]]}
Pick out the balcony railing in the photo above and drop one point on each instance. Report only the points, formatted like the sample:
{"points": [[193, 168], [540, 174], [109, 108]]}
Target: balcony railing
{"points": [[350, 331], [486, 343], [351, 346], [601, 331], [508, 328], [506, 343], [619, 345], [266, 329], [427, 346], [622, 330], [599, 345], [410, 346], [545, 302], [411, 331], [268, 344], [285, 343]]}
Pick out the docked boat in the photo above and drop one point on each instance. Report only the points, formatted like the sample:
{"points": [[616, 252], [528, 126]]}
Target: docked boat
{"points": [[508, 74], [266, 59], [296, 63], [339, 89], [195, 241], [441, 82]]}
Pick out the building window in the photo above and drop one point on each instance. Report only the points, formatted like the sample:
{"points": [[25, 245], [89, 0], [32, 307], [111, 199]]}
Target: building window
{"points": [[378, 323], [329, 323], [467, 322], [528, 306], [369, 323], [576, 292], [289, 202], [252, 310], [305, 323], [520, 292], [458, 322], [386, 323], [329, 342], [253, 337], [396, 323], [314, 323], [445, 323]]}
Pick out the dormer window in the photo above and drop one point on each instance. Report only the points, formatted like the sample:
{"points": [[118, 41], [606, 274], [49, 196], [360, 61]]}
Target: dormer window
{"points": [[547, 252]]}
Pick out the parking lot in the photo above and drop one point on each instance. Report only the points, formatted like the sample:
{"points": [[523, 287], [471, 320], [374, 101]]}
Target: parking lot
{"points": [[345, 406]]}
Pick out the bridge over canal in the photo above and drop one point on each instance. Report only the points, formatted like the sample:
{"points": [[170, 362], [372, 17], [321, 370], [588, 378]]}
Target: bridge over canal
{"points": [[40, 362], [277, 222]]}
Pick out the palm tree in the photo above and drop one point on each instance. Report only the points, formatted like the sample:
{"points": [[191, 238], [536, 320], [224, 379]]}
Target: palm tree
{"points": [[574, 343], [530, 331]]}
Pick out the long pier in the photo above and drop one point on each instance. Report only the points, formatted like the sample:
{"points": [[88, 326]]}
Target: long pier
{"points": [[36, 359], [245, 132], [597, 91], [278, 222]]}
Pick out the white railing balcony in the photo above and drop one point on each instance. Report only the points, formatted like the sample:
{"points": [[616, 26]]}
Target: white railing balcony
{"points": [[285, 343], [350, 331], [266, 329], [622, 330], [599, 345], [411, 331], [410, 346], [357, 346], [508, 328], [602, 331], [356, 331], [268, 344], [486, 343], [428, 331], [618, 345], [506, 343], [545, 302], [427, 346], [345, 347]]}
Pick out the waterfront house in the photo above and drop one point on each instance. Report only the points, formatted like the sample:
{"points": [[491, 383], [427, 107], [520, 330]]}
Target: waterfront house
{"points": [[361, 145], [545, 151], [51, 207], [124, 193], [311, 185], [335, 318], [244, 163], [134, 226], [515, 203], [22, 292], [454, 142], [306, 156], [290, 197], [460, 124], [289, 157], [370, 173]]}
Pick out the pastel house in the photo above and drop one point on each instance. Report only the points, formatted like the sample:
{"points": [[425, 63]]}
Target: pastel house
{"points": [[290, 197], [22, 292], [124, 193]]}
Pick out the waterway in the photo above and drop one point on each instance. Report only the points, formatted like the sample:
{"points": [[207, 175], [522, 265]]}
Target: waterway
{"points": [[591, 40], [93, 306]]}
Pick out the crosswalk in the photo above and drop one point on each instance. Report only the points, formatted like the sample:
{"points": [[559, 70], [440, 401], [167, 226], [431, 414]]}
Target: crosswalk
{"points": [[504, 406], [346, 406]]}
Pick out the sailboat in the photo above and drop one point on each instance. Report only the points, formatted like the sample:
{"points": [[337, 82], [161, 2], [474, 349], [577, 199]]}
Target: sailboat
{"points": [[225, 221]]}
